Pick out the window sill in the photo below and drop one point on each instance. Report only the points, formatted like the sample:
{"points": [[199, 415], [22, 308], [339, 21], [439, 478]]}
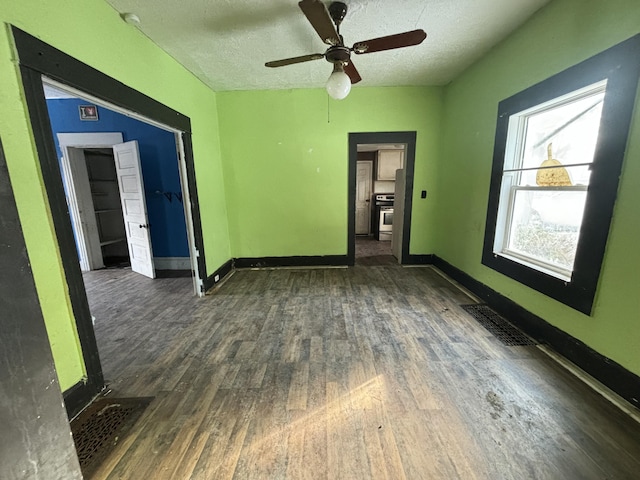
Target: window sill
{"points": [[514, 257]]}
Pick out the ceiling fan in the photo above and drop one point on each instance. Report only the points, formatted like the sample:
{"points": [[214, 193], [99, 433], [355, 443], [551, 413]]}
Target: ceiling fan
{"points": [[326, 23]]}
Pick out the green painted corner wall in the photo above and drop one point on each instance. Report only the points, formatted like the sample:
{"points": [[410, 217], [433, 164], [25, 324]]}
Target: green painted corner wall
{"points": [[558, 36], [285, 158], [92, 31]]}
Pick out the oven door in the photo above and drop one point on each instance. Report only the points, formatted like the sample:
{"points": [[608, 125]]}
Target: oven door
{"points": [[386, 219]]}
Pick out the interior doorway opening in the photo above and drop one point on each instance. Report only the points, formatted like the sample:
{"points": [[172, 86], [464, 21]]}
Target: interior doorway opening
{"points": [[114, 183], [39, 61], [102, 213], [125, 199], [380, 187], [379, 176]]}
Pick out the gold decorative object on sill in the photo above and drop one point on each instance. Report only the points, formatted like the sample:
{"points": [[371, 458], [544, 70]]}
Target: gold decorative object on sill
{"points": [[552, 177]]}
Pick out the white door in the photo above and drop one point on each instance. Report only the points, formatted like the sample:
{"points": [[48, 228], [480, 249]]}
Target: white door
{"points": [[363, 197], [81, 209], [134, 207]]}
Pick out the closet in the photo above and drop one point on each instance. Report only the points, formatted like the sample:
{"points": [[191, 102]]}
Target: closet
{"points": [[101, 172]]}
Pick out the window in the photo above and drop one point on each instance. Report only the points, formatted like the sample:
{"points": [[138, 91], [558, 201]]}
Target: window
{"points": [[558, 154], [546, 170]]}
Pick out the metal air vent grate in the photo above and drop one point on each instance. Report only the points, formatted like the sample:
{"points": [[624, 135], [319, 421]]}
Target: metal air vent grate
{"points": [[498, 326], [99, 428]]}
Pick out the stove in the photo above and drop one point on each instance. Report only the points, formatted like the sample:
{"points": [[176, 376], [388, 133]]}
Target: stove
{"points": [[384, 216]]}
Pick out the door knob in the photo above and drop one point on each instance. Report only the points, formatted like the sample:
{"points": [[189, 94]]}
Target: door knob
{"points": [[146, 225]]}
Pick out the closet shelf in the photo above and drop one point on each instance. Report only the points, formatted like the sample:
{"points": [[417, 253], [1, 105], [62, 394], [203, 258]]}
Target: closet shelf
{"points": [[105, 210], [111, 242]]}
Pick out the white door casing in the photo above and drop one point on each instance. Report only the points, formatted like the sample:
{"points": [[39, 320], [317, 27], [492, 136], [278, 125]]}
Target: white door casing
{"points": [[188, 215], [134, 208], [363, 197]]}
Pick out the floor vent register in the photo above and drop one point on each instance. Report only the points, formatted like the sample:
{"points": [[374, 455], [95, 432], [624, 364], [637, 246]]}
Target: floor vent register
{"points": [[498, 326], [101, 426]]}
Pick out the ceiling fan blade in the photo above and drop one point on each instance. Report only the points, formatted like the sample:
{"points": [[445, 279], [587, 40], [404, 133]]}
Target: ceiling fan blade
{"points": [[291, 61], [350, 69], [390, 42], [318, 16]]}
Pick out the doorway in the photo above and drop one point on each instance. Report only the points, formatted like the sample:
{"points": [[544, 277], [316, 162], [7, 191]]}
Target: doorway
{"points": [[98, 222], [40, 61], [125, 197], [106, 181], [390, 199]]}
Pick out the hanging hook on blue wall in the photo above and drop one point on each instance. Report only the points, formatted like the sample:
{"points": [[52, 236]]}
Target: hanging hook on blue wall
{"points": [[169, 195]]}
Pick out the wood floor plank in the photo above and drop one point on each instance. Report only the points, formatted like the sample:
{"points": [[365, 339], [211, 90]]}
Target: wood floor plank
{"points": [[367, 372], [264, 453], [298, 388]]}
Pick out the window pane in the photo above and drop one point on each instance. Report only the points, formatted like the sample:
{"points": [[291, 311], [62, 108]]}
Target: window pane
{"points": [[545, 225], [571, 128]]}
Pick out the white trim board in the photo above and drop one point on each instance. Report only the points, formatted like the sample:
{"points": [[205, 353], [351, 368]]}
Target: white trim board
{"points": [[89, 140]]}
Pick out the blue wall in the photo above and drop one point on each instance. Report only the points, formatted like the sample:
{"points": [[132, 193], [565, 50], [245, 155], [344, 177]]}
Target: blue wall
{"points": [[159, 161]]}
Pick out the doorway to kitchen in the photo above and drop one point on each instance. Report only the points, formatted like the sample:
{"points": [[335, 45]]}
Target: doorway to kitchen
{"points": [[381, 168]]}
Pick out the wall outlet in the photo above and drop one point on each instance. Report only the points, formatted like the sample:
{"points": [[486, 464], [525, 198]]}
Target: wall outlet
{"points": [[216, 278], [423, 194]]}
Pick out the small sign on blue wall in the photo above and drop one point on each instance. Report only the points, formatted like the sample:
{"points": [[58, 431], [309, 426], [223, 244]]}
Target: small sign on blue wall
{"points": [[88, 112]]}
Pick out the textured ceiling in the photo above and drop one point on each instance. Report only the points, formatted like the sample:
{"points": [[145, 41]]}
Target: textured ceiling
{"points": [[225, 43]]}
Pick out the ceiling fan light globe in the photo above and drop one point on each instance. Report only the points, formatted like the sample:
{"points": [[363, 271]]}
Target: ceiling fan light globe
{"points": [[338, 85]]}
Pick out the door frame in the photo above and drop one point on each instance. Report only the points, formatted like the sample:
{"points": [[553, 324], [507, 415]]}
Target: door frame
{"points": [[409, 139], [81, 141], [37, 59], [36, 420]]}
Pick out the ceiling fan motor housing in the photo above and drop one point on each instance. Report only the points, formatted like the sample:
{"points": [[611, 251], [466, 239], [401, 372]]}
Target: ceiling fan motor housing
{"points": [[338, 53]]}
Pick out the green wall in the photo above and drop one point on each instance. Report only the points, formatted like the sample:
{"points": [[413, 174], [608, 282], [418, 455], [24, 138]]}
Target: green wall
{"points": [[91, 31], [560, 35], [285, 157]]}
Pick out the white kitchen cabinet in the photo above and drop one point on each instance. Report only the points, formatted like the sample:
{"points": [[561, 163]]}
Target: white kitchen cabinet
{"points": [[388, 162]]}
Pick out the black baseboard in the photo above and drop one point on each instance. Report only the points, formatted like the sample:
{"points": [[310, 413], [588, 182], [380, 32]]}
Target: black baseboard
{"points": [[79, 396], [418, 259], [221, 272], [606, 371], [303, 261]]}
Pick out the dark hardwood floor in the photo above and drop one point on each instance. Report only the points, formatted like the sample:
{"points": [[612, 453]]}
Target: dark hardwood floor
{"points": [[370, 251], [365, 372]]}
